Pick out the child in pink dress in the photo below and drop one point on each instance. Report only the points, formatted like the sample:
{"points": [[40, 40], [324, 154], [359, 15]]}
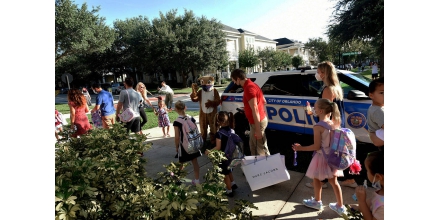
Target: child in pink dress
{"points": [[319, 169], [162, 117]]}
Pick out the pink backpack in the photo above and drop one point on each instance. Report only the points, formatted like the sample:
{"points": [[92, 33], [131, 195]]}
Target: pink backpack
{"points": [[342, 148]]}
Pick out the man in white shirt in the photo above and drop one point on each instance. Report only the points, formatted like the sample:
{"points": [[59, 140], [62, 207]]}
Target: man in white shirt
{"points": [[169, 93]]}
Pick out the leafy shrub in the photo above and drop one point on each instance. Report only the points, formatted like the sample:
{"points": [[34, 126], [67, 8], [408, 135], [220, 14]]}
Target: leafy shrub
{"points": [[101, 176]]}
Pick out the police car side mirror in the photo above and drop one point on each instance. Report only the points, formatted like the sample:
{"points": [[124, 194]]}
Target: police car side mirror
{"points": [[356, 95]]}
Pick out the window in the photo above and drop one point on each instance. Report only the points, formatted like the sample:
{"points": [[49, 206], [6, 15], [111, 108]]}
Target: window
{"points": [[234, 88], [288, 85], [312, 86]]}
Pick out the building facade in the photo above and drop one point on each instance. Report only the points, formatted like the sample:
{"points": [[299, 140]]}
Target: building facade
{"points": [[297, 48]]}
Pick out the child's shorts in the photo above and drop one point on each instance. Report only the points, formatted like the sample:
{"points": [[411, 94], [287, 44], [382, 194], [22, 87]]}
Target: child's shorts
{"points": [[57, 127]]}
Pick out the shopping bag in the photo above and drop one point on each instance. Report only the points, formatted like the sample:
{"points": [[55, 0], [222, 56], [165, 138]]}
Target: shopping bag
{"points": [[96, 118], [262, 171]]}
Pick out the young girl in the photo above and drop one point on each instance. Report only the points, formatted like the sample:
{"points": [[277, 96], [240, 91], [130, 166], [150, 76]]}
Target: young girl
{"points": [[163, 119], [58, 125], [225, 121], [319, 169], [373, 208], [78, 109], [178, 140]]}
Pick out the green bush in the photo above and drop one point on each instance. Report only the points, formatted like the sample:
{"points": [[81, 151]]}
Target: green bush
{"points": [[102, 176]]}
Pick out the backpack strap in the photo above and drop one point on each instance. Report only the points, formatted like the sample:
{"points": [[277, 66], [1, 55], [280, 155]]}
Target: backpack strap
{"points": [[328, 127], [325, 125], [225, 134]]}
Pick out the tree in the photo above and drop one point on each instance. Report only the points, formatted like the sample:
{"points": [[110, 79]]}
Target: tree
{"points": [[297, 61], [132, 45], [283, 59], [187, 43], [265, 56], [320, 47], [360, 20], [79, 31], [247, 58]]}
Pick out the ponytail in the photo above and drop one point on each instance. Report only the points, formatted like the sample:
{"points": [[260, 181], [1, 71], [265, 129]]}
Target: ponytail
{"points": [[336, 115], [231, 120]]}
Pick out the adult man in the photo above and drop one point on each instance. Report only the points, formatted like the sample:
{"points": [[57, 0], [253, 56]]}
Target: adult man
{"points": [[169, 93], [254, 102], [104, 102], [129, 98]]}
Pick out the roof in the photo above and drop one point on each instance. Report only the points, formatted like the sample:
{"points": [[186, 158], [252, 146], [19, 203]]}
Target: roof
{"points": [[240, 31], [282, 41], [231, 29]]}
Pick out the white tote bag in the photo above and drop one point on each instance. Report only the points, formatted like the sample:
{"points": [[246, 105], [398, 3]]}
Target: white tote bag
{"points": [[262, 171]]}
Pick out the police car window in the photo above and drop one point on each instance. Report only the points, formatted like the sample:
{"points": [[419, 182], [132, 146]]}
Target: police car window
{"points": [[234, 88], [288, 85], [312, 86], [345, 88]]}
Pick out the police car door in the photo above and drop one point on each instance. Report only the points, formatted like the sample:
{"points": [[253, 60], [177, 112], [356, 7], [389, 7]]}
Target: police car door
{"points": [[285, 102], [356, 104], [312, 90]]}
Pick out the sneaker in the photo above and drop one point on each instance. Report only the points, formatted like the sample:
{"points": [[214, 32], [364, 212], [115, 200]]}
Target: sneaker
{"points": [[194, 182], [234, 187], [352, 185], [324, 186], [230, 194], [312, 203], [340, 210]]}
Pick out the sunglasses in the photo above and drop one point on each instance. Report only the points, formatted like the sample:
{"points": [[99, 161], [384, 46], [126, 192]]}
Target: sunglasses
{"points": [[142, 87]]}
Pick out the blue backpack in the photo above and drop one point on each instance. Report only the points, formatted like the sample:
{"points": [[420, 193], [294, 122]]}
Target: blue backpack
{"points": [[342, 147], [234, 146]]}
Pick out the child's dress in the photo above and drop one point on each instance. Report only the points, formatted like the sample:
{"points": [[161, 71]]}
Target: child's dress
{"points": [[163, 118], [58, 122], [81, 120], [318, 167]]}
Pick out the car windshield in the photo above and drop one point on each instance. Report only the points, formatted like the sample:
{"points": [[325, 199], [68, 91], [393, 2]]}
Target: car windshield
{"points": [[360, 78]]}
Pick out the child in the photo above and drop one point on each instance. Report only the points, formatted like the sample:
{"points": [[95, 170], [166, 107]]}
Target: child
{"points": [[373, 207], [163, 119], [58, 125], [375, 113], [319, 169], [225, 121], [178, 140]]}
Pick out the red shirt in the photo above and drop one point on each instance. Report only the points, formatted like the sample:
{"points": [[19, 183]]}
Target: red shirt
{"points": [[252, 90]]}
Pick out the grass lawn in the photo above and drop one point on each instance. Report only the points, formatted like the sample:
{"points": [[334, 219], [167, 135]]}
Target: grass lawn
{"points": [[152, 118]]}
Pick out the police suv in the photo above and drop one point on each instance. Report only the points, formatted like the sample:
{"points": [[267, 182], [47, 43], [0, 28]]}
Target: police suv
{"points": [[287, 92]]}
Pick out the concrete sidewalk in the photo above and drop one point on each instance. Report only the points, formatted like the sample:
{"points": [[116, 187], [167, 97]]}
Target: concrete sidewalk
{"points": [[280, 201]]}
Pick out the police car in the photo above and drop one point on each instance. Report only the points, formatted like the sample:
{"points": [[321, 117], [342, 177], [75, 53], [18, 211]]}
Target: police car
{"points": [[287, 92]]}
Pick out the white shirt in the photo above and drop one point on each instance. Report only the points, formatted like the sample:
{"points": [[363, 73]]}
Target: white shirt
{"points": [[166, 89]]}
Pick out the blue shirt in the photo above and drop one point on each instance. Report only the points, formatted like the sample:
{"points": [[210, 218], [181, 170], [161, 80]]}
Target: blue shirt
{"points": [[105, 101]]}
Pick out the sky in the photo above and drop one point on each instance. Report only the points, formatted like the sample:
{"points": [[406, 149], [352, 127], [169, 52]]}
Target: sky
{"points": [[293, 19]]}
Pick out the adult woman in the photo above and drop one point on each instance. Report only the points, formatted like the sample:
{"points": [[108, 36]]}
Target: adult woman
{"points": [[141, 89], [332, 90], [78, 109]]}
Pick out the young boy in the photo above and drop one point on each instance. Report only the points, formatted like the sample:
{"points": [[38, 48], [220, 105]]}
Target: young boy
{"points": [[375, 114]]}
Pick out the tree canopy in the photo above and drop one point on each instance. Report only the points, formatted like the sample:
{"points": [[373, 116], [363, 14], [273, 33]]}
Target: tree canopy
{"points": [[359, 20], [79, 31], [247, 58]]}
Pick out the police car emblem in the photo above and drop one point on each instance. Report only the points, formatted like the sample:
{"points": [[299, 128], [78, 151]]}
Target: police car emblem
{"points": [[356, 120]]}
